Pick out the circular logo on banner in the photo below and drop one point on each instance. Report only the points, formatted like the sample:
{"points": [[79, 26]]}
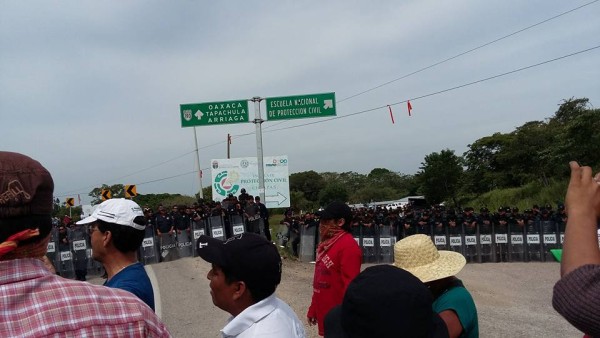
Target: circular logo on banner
{"points": [[244, 164], [215, 164], [225, 183]]}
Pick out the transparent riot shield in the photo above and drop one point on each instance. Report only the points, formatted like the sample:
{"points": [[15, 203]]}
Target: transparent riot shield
{"points": [[184, 243], [486, 248], [148, 250], [52, 252], [357, 235], [307, 243], [79, 245], [65, 266], [501, 243], [387, 239], [440, 237], [533, 241], [254, 225], [217, 228], [455, 238], [471, 244], [94, 268], [198, 229], [168, 248], [549, 239], [369, 245], [517, 243], [236, 222]]}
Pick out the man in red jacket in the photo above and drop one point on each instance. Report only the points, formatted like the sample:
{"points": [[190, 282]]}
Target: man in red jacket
{"points": [[338, 262]]}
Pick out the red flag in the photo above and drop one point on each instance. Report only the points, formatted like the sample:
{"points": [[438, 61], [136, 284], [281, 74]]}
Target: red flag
{"points": [[391, 114], [409, 106]]}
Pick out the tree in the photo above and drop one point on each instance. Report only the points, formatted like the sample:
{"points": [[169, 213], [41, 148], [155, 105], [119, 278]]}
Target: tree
{"points": [[309, 183], [439, 176], [333, 192], [117, 191]]}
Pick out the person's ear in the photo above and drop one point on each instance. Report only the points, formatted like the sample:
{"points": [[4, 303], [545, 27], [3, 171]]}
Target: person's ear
{"points": [[107, 238], [239, 288]]}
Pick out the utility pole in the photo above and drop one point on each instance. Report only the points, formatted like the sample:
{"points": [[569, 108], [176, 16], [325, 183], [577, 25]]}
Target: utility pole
{"points": [[228, 146], [198, 163], [259, 151]]}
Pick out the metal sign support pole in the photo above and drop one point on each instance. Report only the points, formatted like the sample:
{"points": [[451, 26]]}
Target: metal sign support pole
{"points": [[198, 162], [259, 151]]}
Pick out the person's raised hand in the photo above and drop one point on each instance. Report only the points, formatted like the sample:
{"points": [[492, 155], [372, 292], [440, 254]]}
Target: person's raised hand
{"points": [[583, 193]]}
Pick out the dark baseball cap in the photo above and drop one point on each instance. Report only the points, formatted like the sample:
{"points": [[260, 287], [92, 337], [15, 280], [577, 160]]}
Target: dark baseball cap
{"points": [[248, 257], [385, 301], [336, 210], [26, 187]]}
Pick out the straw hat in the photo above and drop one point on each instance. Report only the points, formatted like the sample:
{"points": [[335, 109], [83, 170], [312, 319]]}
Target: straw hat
{"points": [[418, 255]]}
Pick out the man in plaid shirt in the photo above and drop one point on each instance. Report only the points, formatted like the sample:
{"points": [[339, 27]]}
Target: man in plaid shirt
{"points": [[34, 301]]}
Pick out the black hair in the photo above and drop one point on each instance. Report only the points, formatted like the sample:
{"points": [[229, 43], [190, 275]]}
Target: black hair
{"points": [[124, 238], [257, 292], [13, 225]]}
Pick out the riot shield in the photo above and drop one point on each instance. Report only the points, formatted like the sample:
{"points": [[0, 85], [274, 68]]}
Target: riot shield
{"points": [[471, 244], [533, 241], [184, 243], [387, 239], [455, 239], [357, 236], [52, 251], [369, 245], [79, 245], [148, 251], [501, 243], [217, 228], [94, 268], [549, 238], [307, 243], [517, 243], [198, 229], [65, 266], [254, 224], [168, 248], [486, 249], [236, 222], [440, 238]]}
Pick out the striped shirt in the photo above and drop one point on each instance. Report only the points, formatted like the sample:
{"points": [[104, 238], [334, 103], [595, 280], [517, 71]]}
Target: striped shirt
{"points": [[37, 303]]}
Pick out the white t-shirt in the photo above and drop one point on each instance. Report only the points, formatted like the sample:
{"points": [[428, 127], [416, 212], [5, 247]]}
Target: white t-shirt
{"points": [[271, 317]]}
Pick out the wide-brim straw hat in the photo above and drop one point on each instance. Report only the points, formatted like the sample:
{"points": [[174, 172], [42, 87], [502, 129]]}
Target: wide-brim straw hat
{"points": [[418, 255]]}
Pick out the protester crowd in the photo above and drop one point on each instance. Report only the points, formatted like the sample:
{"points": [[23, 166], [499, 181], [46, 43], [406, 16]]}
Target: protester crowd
{"points": [[418, 296]]}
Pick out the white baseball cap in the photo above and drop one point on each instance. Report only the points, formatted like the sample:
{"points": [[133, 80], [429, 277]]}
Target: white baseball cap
{"points": [[117, 210]]}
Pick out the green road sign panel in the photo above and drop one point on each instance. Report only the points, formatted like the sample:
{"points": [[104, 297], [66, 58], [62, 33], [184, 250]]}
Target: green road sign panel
{"points": [[300, 106], [212, 113]]}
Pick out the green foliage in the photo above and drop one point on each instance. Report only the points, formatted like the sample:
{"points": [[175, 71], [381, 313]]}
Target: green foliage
{"points": [[309, 183], [333, 192], [523, 197], [154, 200], [440, 175], [117, 191]]}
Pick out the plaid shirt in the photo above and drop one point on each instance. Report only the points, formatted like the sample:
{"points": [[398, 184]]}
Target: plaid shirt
{"points": [[36, 303]]}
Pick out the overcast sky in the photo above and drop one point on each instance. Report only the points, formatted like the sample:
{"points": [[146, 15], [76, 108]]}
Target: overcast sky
{"points": [[92, 89]]}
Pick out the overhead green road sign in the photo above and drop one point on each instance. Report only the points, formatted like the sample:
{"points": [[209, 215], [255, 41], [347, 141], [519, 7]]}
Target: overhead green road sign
{"points": [[211, 113], [300, 106]]}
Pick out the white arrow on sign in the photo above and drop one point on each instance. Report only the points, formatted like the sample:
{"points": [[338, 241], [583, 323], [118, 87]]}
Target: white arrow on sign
{"points": [[327, 104], [199, 115], [279, 198]]}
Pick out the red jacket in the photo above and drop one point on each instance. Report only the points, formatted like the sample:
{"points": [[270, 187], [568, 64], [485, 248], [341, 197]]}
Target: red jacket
{"points": [[333, 272]]}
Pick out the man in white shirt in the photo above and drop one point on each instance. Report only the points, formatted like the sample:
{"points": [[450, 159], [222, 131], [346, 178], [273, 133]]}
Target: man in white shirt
{"points": [[246, 270]]}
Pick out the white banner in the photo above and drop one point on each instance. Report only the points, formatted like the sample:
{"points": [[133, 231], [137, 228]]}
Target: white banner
{"points": [[229, 176]]}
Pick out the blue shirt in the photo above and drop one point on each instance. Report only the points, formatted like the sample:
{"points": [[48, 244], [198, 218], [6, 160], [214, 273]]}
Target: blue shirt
{"points": [[135, 280]]}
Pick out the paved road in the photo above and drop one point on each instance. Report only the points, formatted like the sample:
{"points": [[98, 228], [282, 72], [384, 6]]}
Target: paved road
{"points": [[513, 300]]}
